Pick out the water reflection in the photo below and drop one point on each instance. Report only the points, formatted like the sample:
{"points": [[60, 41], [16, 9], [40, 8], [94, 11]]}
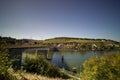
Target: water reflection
{"points": [[59, 60], [64, 59], [75, 58]]}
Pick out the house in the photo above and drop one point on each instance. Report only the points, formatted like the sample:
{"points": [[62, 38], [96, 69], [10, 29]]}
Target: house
{"points": [[94, 47], [60, 45]]}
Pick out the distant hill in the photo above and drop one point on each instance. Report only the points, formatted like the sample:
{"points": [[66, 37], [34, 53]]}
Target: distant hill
{"points": [[66, 43], [57, 39], [14, 41], [76, 40]]}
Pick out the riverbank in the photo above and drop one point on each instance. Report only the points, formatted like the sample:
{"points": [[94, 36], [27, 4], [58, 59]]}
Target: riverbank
{"points": [[64, 43], [22, 75], [68, 49]]}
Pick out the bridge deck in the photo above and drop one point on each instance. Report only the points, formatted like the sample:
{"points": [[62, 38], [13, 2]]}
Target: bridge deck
{"points": [[26, 46]]}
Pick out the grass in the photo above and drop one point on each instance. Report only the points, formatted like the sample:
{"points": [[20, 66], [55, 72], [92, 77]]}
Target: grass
{"points": [[67, 41], [73, 40], [40, 65], [23, 75]]}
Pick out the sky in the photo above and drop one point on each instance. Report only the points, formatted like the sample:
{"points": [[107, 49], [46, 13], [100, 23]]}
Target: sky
{"points": [[43, 19]]}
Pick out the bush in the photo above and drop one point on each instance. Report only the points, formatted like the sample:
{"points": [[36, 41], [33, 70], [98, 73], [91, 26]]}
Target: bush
{"points": [[53, 71], [5, 62], [3, 73], [36, 64], [40, 65], [103, 68]]}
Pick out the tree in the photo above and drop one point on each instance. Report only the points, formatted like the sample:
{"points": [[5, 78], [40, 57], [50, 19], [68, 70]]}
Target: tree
{"points": [[102, 68], [4, 60]]}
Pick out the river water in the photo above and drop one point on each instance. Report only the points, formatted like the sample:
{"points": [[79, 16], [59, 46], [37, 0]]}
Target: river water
{"points": [[70, 58]]}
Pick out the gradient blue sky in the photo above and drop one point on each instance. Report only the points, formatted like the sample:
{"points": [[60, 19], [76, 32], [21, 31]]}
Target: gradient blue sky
{"points": [[42, 19]]}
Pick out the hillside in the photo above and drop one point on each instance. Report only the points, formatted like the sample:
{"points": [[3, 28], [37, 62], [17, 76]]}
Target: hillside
{"points": [[76, 40], [66, 43]]}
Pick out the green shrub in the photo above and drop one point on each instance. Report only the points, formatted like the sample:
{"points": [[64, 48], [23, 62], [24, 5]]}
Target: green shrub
{"points": [[53, 71], [103, 68], [36, 64], [5, 62], [5, 75], [3, 72], [40, 65]]}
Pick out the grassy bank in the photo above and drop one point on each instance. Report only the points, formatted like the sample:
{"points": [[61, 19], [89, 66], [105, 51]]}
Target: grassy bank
{"points": [[22, 75]]}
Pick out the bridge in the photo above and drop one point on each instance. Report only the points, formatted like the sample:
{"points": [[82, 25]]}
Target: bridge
{"points": [[22, 50], [36, 48], [28, 46]]}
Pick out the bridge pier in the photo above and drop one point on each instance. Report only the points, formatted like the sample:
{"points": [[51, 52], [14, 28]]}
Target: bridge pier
{"points": [[36, 52]]}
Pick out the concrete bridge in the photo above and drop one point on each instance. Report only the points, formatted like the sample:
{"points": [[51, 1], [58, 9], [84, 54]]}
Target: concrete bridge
{"points": [[22, 50], [27, 46]]}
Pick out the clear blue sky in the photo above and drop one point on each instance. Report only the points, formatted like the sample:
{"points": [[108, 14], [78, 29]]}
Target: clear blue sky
{"points": [[41, 19]]}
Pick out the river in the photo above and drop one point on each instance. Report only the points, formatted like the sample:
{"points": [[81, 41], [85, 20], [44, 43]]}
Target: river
{"points": [[65, 59]]}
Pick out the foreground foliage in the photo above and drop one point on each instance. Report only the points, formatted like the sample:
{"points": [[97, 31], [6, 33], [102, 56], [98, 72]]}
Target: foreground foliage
{"points": [[103, 68], [5, 62], [41, 66], [22, 75]]}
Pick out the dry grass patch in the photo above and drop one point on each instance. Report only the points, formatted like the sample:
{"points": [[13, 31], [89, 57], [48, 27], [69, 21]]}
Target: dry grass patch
{"points": [[22, 75]]}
